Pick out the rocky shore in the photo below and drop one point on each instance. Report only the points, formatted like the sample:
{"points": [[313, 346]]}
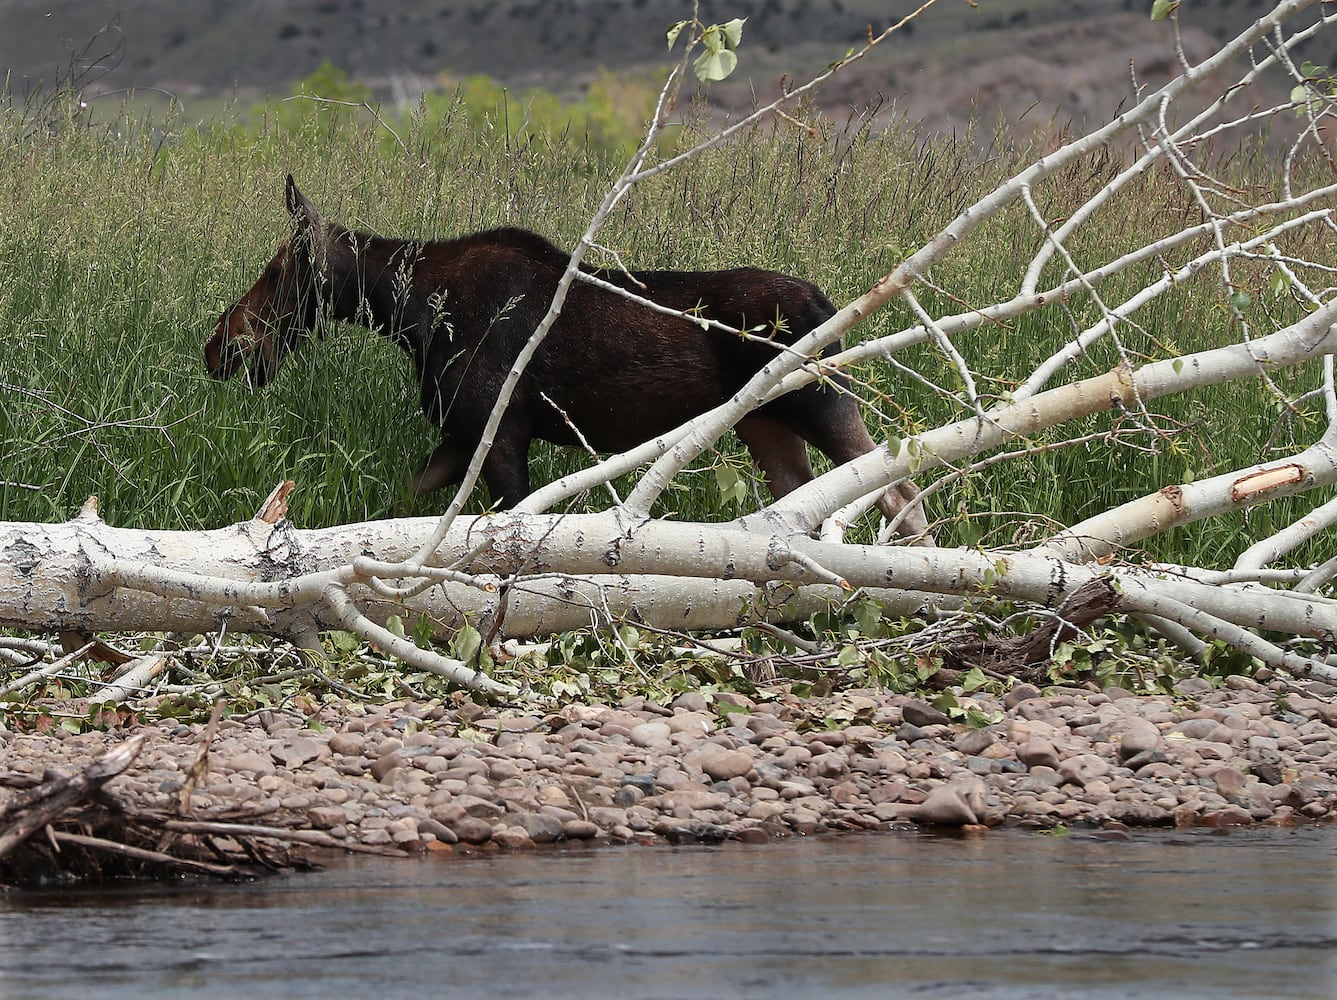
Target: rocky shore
{"points": [[466, 777]]}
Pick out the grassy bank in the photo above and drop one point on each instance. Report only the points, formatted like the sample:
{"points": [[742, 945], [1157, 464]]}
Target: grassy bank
{"points": [[120, 245]]}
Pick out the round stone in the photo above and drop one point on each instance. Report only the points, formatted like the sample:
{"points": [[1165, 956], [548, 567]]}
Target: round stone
{"points": [[650, 734]]}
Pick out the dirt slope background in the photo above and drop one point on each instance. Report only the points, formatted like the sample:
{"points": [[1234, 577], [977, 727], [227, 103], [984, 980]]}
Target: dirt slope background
{"points": [[1034, 62]]}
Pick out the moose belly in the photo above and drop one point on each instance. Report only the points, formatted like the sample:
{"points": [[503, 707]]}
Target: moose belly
{"points": [[620, 420]]}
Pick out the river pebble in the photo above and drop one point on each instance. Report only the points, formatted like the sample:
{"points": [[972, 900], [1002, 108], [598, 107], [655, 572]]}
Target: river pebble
{"points": [[462, 776]]}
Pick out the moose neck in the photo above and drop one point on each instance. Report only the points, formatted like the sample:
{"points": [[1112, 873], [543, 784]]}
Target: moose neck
{"points": [[371, 284]]}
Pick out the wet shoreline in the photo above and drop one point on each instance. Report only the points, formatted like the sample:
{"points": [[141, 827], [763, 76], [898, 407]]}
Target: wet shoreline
{"points": [[465, 777]]}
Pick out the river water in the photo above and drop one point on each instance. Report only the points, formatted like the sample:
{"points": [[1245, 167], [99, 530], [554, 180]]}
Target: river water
{"points": [[1008, 915]]}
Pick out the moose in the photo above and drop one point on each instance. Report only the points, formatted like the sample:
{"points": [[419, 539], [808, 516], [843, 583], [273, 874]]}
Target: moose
{"points": [[611, 368]]}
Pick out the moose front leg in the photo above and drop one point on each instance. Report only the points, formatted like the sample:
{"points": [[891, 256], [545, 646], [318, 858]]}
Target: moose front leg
{"points": [[505, 470]]}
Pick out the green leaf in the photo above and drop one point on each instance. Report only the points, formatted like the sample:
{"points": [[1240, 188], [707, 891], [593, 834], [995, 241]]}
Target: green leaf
{"points": [[733, 31], [1241, 300], [974, 679], [868, 616], [1161, 9], [422, 632], [395, 626], [344, 642], [976, 719], [1300, 96], [674, 31], [467, 642], [731, 485], [969, 534], [724, 709], [714, 64]]}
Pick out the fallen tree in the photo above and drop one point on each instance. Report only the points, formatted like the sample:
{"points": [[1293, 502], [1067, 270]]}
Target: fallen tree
{"points": [[532, 572]]}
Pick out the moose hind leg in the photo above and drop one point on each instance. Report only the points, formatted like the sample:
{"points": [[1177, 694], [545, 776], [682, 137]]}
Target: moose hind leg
{"points": [[506, 472], [778, 451]]}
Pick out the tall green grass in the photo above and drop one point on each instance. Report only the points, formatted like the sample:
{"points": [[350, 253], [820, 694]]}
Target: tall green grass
{"points": [[120, 244]]}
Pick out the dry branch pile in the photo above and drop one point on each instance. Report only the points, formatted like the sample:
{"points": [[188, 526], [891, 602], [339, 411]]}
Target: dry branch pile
{"points": [[65, 827]]}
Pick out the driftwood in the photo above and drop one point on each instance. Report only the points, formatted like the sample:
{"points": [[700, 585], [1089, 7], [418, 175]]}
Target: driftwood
{"points": [[1027, 656], [67, 827]]}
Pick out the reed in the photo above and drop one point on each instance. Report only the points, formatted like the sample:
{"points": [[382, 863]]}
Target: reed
{"points": [[121, 242]]}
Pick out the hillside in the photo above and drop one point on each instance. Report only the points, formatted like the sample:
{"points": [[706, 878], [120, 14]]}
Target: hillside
{"points": [[1030, 60]]}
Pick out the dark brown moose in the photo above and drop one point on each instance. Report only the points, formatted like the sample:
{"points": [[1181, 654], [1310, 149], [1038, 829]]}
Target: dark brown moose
{"points": [[616, 371]]}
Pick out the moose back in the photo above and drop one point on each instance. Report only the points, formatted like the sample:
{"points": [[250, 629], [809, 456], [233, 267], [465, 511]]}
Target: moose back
{"points": [[612, 369]]}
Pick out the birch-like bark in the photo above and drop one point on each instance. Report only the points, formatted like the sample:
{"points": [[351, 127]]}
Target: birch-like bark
{"points": [[95, 577]]}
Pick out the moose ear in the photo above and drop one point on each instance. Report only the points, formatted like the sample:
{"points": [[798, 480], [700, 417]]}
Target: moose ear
{"points": [[305, 214]]}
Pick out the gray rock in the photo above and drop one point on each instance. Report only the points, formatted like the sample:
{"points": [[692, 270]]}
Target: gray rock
{"points": [[945, 806], [725, 764], [766, 725], [1083, 768], [1229, 780], [983, 765], [828, 765], [1267, 772], [383, 765], [475, 805], [1037, 709], [512, 837], [690, 701], [909, 733], [347, 744], [606, 817], [472, 830], [1193, 687], [974, 741], [501, 770], [1140, 737], [542, 828], [1040, 779], [579, 829], [1038, 752], [645, 783], [325, 817], [1139, 813], [696, 723], [1141, 760], [1197, 729], [250, 761], [1020, 693], [627, 795], [921, 713], [650, 734], [440, 831], [689, 799]]}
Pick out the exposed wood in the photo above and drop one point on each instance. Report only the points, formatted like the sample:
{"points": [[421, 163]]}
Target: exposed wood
{"points": [[1026, 656], [70, 826], [58, 794]]}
